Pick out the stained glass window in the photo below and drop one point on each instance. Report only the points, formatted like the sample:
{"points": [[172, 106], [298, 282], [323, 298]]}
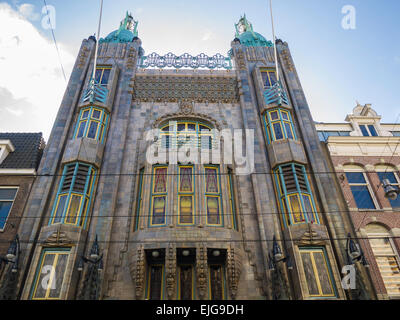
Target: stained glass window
{"points": [[159, 196], [186, 195], [92, 123], [213, 196], [268, 77]]}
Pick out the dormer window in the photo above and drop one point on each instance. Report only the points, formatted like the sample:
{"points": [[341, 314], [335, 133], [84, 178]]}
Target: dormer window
{"points": [[368, 130], [6, 147]]}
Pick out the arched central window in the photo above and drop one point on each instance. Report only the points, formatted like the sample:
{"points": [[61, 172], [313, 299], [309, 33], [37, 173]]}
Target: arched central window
{"points": [[180, 133]]}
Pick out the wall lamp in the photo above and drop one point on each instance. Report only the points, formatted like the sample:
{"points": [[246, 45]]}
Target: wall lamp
{"points": [[391, 192], [13, 253]]}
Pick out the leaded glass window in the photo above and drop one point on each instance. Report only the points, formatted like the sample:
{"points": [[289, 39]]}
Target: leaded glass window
{"points": [[295, 196], [92, 123], [102, 75], [318, 273], [268, 77], [213, 196], [49, 276], [74, 195], [186, 195], [279, 125], [159, 196]]}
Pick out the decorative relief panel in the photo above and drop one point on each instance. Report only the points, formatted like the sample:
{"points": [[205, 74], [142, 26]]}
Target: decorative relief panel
{"points": [[201, 271], [193, 88], [234, 270], [171, 271]]}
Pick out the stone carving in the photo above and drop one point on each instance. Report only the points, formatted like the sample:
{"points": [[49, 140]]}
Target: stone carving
{"points": [[167, 88], [234, 270], [181, 114], [139, 272], [130, 61], [58, 238], [287, 60], [170, 271], [186, 107], [201, 270], [240, 59], [82, 57], [311, 237]]}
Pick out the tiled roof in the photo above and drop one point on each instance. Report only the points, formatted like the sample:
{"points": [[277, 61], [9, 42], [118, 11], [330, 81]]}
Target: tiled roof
{"points": [[28, 150]]}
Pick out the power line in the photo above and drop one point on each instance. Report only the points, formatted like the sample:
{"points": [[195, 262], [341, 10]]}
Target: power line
{"points": [[158, 241], [55, 41]]}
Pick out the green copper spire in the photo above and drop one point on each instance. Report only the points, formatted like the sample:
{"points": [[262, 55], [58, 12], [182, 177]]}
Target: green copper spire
{"points": [[126, 32], [247, 36]]}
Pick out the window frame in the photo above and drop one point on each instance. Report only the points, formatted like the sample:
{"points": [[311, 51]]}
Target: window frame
{"points": [[179, 292], [103, 68], [12, 204], [232, 199], [284, 196], [366, 126], [86, 196], [217, 195], [148, 287], [328, 268], [269, 124], [223, 267], [192, 194], [154, 195], [45, 251], [367, 183], [139, 199], [102, 123], [267, 71]]}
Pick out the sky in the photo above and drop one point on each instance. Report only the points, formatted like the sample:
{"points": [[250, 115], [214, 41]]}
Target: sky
{"points": [[336, 66]]}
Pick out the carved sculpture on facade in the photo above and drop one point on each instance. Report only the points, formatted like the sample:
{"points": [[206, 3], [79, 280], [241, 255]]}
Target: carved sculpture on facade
{"points": [[201, 271], [171, 271], [234, 270]]}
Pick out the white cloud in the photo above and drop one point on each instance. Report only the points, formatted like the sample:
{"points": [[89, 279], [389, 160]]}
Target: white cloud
{"points": [[28, 11], [30, 72], [208, 36]]}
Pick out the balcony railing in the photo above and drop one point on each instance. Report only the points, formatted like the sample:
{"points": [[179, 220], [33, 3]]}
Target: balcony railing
{"points": [[276, 94], [95, 93]]}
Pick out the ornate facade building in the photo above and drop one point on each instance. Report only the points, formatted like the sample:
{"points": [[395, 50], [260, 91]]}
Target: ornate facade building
{"points": [[129, 211], [363, 152]]}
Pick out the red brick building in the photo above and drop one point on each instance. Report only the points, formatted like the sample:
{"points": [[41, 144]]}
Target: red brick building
{"points": [[20, 155], [363, 152]]}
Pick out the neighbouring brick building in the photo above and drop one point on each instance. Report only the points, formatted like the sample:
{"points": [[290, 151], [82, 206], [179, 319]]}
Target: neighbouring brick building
{"points": [[363, 151], [119, 220], [20, 155]]}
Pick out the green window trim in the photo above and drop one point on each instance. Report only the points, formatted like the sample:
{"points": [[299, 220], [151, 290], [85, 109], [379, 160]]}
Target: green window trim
{"points": [[74, 196], [232, 200], [210, 203], [186, 194], [56, 258], [295, 196], [139, 199], [319, 271], [92, 123], [279, 125], [158, 197]]}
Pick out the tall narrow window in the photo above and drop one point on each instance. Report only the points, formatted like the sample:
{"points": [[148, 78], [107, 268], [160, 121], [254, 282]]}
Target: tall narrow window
{"points": [[92, 123], [186, 281], [361, 190], [102, 75], [186, 202], [232, 201], [295, 196], [49, 276], [74, 195], [159, 196], [217, 281], [213, 196], [268, 77], [318, 272], [7, 196], [155, 282], [386, 258], [139, 199], [279, 125], [394, 181]]}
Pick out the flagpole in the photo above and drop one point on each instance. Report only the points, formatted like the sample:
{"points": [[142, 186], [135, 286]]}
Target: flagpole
{"points": [[97, 41], [274, 42]]}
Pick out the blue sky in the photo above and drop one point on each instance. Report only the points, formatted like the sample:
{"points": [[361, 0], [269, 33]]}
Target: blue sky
{"points": [[336, 66]]}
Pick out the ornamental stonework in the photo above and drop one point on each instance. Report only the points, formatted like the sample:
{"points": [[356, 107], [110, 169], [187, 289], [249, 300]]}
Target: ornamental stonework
{"points": [[174, 88]]}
